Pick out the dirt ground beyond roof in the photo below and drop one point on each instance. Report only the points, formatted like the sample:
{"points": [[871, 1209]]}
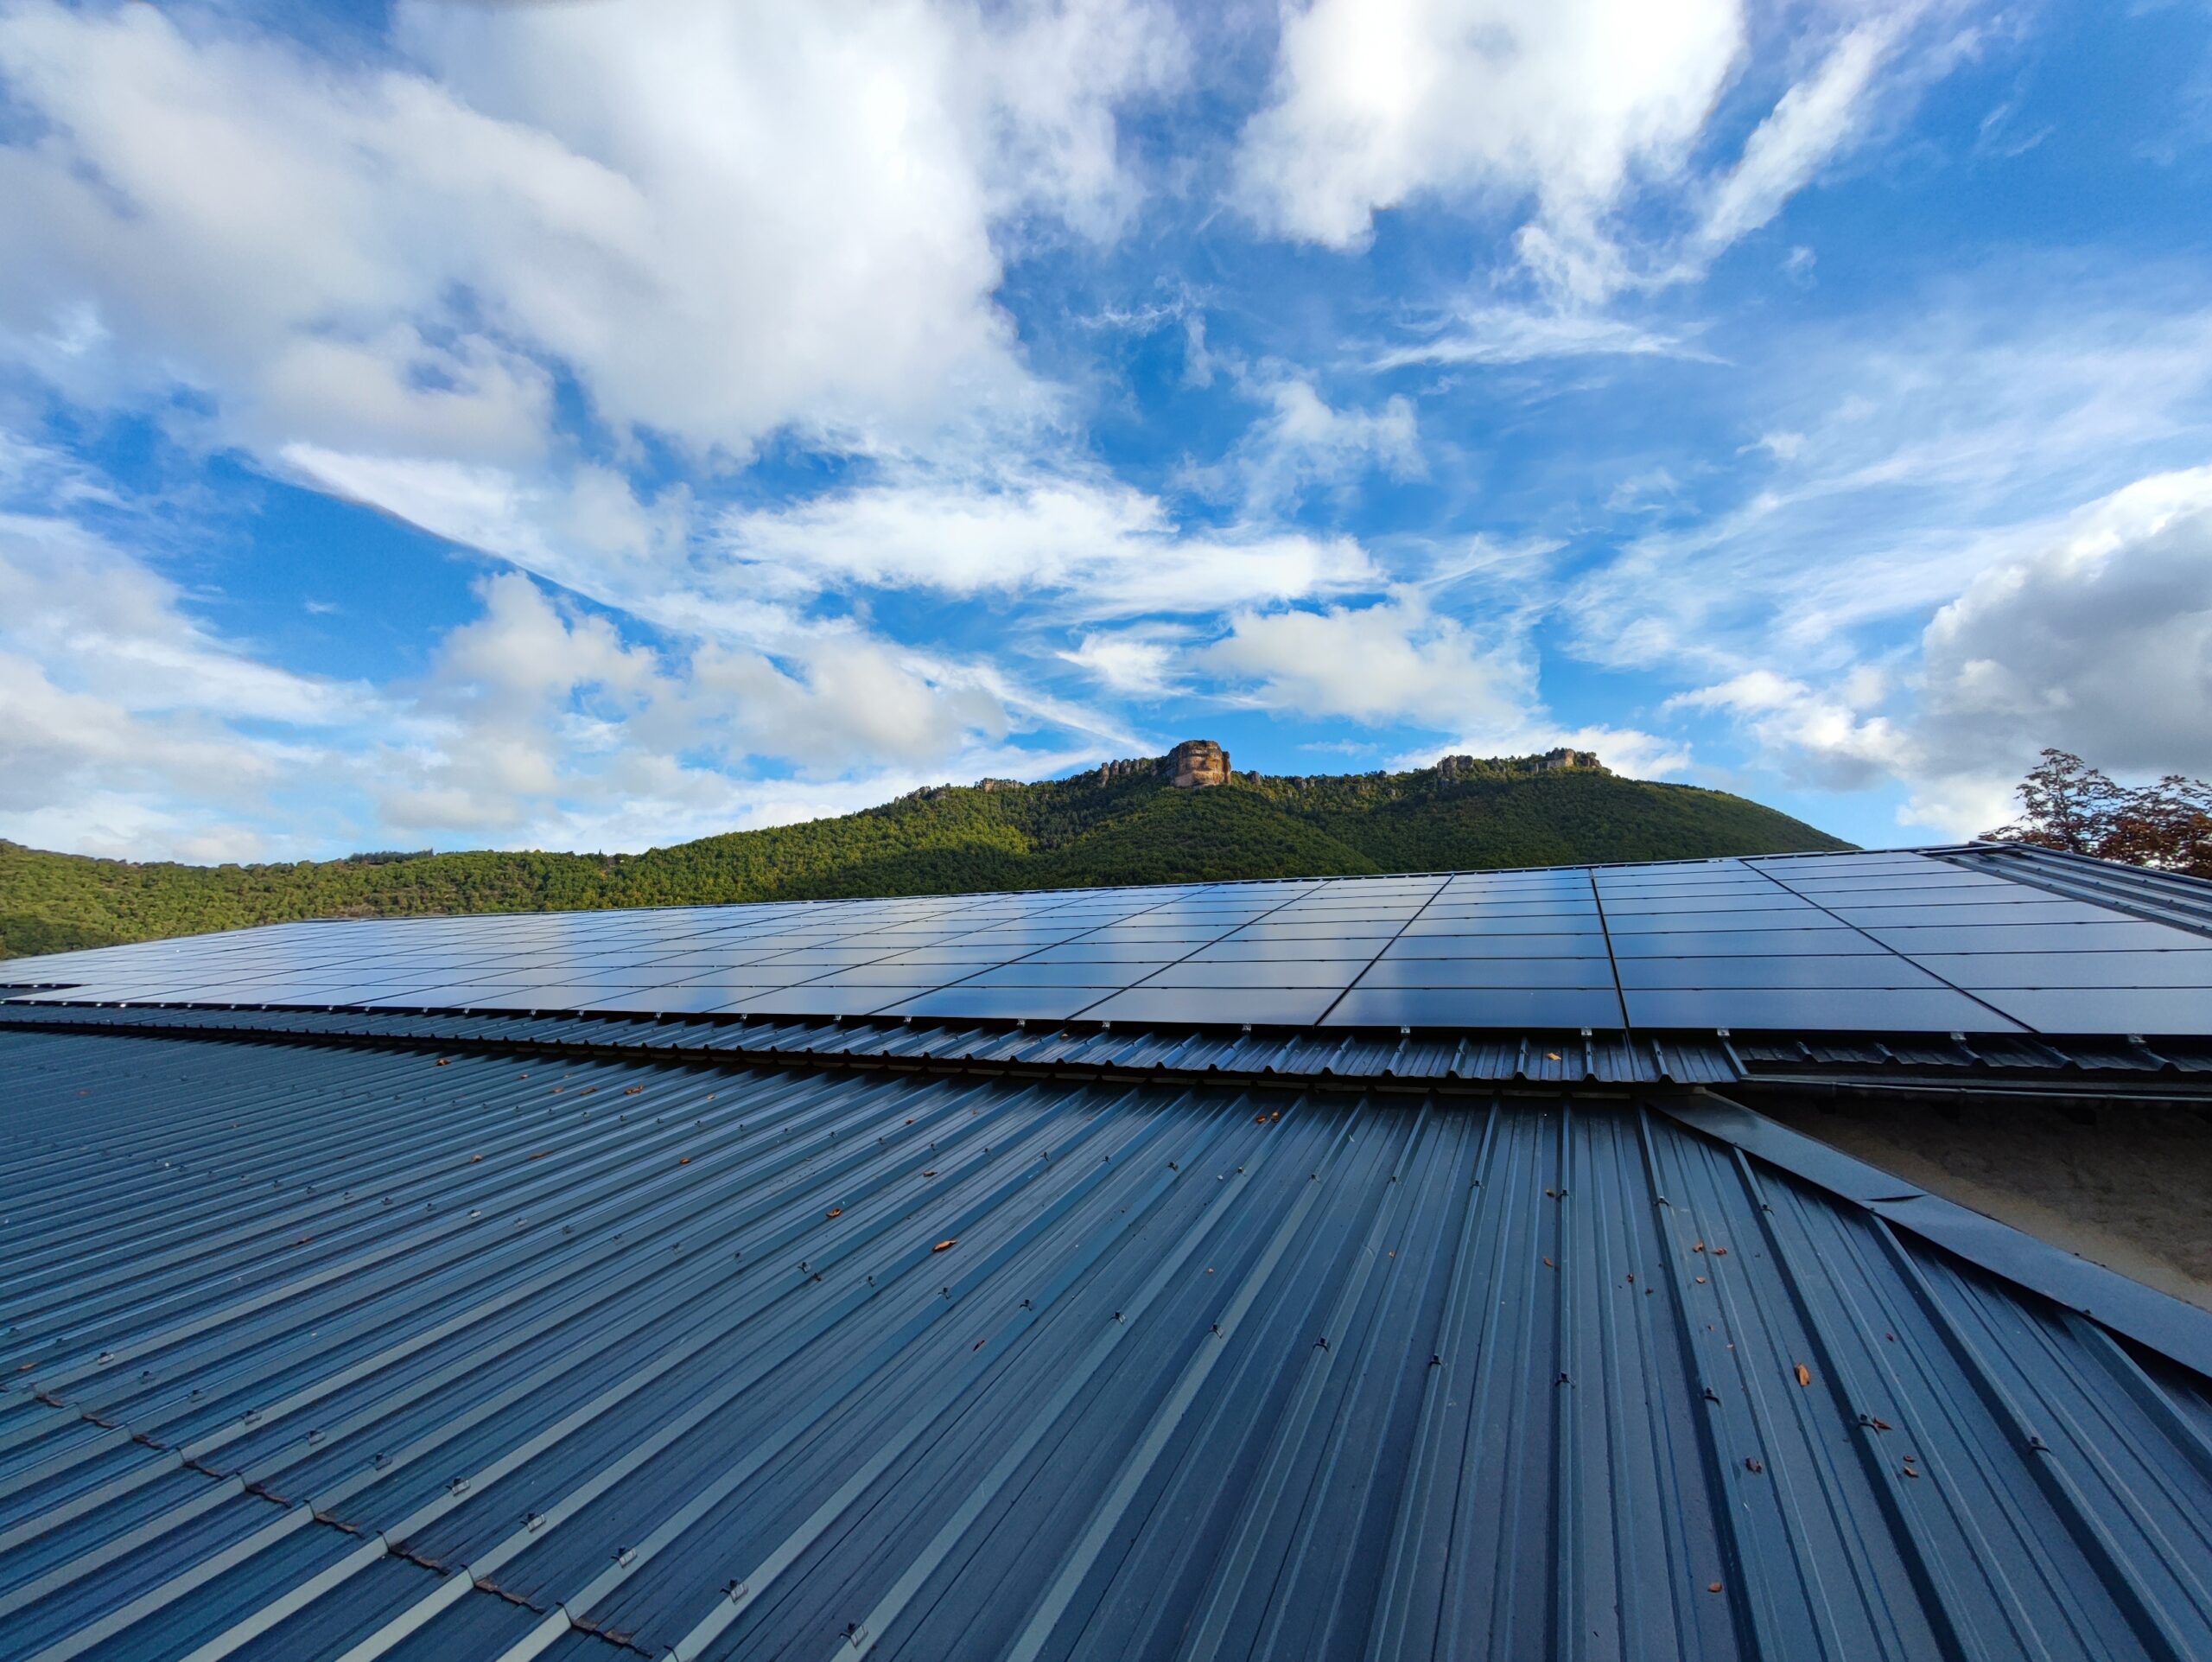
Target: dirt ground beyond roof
{"points": [[2133, 1190]]}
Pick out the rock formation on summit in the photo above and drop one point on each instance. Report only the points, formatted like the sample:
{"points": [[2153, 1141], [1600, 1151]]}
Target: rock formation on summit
{"points": [[1552, 761], [1196, 763]]}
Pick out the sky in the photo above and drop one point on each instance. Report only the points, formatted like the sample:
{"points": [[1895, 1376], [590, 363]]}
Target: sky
{"points": [[594, 424]]}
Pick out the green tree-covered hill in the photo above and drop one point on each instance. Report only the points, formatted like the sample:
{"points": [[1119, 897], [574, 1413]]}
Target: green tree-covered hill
{"points": [[1129, 826]]}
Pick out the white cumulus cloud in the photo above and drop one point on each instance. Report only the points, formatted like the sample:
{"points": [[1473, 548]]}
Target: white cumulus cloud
{"points": [[1390, 660], [741, 218], [2097, 640], [1378, 102], [1566, 115]]}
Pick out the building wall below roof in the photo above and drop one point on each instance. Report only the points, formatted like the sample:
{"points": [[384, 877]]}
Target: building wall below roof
{"points": [[314, 1353], [2128, 1185]]}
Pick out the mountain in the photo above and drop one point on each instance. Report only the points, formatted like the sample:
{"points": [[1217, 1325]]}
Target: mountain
{"points": [[1126, 822]]}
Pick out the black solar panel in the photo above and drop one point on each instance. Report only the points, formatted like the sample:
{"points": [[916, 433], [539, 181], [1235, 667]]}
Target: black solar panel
{"points": [[1477, 1006], [1275, 972], [1001, 1004], [1831, 1010], [1804, 969], [1895, 941], [1829, 939], [2132, 1010], [1174, 1006], [2110, 971], [1588, 944], [1488, 972]]}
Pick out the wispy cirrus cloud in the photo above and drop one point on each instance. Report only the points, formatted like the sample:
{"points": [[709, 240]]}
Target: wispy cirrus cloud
{"points": [[1513, 334]]}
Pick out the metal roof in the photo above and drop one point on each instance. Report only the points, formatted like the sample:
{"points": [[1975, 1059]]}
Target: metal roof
{"points": [[317, 1353], [1974, 940], [2112, 1066], [1062, 1049]]}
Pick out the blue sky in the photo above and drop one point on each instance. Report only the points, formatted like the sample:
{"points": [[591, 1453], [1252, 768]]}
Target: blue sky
{"points": [[594, 426]]}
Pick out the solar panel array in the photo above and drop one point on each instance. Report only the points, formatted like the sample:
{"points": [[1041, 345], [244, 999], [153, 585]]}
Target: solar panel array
{"points": [[1897, 941]]}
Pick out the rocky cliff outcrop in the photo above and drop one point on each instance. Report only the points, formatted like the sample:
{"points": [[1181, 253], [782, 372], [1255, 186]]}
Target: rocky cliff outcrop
{"points": [[1552, 761], [1195, 764]]}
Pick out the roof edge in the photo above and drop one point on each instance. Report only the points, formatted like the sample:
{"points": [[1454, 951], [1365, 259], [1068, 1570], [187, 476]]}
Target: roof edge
{"points": [[2158, 1321]]}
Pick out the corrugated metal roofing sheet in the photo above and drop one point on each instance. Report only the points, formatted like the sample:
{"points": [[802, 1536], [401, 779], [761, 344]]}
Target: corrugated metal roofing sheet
{"points": [[1553, 1058], [349, 1353], [2160, 896], [1986, 1057], [1074, 1050]]}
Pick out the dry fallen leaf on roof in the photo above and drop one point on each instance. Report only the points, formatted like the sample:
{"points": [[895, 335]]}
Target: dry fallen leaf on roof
{"points": [[1804, 1374], [941, 1245]]}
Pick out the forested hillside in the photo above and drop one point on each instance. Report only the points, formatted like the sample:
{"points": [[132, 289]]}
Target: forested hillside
{"points": [[1128, 826]]}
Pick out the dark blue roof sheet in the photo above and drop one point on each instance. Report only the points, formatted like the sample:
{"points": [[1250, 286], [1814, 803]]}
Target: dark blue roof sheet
{"points": [[1081, 1049], [314, 1353], [1974, 941], [2089, 1067]]}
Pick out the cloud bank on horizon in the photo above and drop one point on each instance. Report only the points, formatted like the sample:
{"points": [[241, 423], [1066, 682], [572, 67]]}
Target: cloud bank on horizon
{"points": [[571, 426]]}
